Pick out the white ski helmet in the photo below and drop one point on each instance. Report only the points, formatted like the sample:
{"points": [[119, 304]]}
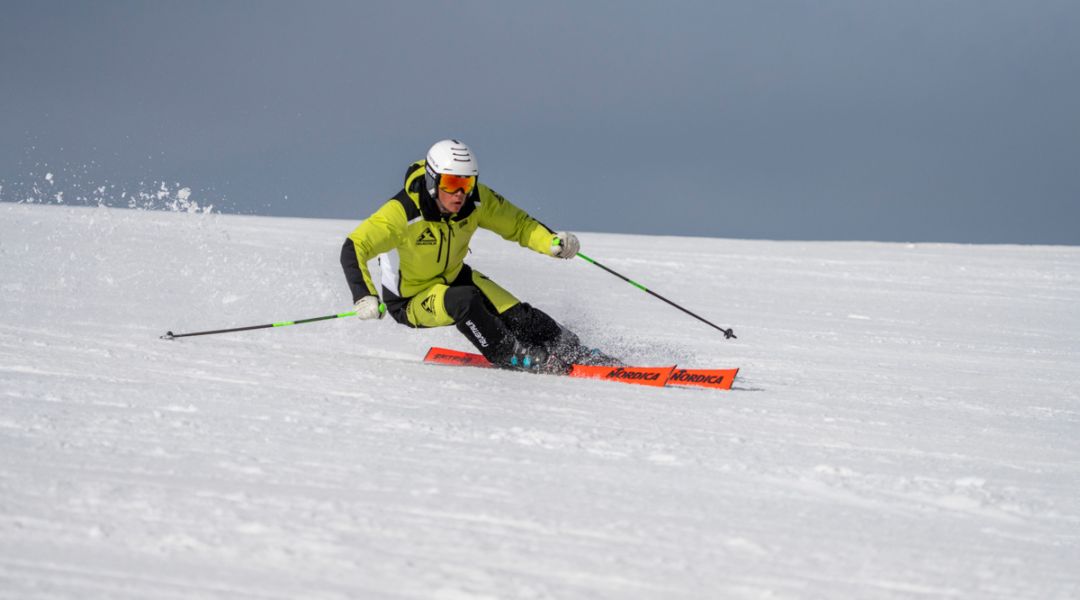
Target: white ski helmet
{"points": [[451, 157]]}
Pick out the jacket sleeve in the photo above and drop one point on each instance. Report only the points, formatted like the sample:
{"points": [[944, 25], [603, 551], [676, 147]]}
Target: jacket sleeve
{"points": [[379, 233], [499, 215]]}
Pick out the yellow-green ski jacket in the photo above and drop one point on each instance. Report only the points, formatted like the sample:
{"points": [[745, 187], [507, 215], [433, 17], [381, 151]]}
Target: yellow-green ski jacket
{"points": [[418, 246]]}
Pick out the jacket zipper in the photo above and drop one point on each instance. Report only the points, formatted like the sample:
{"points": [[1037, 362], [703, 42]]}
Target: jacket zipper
{"points": [[449, 238], [445, 240], [438, 256]]}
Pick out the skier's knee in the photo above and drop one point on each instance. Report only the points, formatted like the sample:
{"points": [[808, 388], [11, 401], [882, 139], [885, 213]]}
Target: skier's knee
{"points": [[515, 313], [460, 300]]}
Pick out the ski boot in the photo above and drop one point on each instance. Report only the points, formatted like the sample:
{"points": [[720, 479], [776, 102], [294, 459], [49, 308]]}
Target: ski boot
{"points": [[534, 359]]}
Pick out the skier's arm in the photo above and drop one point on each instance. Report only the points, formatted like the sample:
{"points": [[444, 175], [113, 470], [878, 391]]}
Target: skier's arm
{"points": [[377, 234], [512, 223]]}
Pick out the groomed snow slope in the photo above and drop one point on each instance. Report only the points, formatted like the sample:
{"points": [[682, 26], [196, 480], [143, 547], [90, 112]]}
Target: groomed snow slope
{"points": [[906, 423]]}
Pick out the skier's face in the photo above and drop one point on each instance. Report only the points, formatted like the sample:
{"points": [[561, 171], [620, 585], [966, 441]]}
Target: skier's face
{"points": [[451, 202]]}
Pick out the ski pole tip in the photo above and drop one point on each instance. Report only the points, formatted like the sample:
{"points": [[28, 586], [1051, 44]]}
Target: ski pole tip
{"points": [[168, 336]]}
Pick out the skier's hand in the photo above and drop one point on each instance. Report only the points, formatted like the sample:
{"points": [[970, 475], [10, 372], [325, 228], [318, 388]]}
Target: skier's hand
{"points": [[369, 307], [564, 245]]}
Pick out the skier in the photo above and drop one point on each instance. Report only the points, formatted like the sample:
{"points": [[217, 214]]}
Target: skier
{"points": [[421, 237]]}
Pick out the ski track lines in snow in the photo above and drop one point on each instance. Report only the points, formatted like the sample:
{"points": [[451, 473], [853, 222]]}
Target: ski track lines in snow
{"points": [[905, 423]]}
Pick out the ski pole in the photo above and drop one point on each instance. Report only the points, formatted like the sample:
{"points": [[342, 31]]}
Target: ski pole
{"points": [[170, 335], [728, 333]]}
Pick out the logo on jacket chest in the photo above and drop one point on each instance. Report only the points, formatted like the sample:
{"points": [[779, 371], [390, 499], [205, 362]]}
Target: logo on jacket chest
{"points": [[427, 238]]}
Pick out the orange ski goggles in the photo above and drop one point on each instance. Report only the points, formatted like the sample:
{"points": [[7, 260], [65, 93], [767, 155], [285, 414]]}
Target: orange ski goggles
{"points": [[452, 183]]}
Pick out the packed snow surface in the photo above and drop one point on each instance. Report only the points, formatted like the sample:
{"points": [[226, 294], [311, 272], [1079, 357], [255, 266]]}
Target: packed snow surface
{"points": [[906, 423]]}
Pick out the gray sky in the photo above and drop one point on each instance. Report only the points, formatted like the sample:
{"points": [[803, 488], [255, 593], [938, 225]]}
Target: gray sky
{"points": [[915, 120]]}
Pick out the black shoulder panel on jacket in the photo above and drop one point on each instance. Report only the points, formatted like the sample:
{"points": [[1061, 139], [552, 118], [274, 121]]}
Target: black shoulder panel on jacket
{"points": [[411, 211], [410, 170]]}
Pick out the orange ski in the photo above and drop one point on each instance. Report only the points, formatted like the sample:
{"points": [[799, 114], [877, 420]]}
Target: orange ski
{"points": [[717, 379], [446, 356], [635, 375], [655, 376]]}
